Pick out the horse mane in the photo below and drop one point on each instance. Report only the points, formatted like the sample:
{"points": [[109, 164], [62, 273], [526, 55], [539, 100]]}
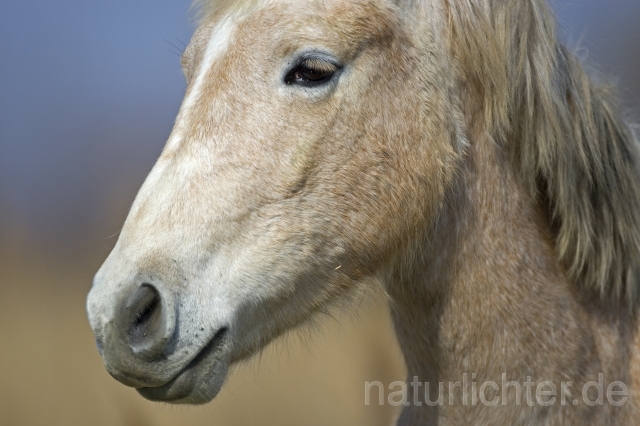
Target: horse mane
{"points": [[568, 141]]}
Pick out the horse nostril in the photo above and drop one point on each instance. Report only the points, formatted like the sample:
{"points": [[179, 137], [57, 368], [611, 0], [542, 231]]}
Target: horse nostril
{"points": [[149, 324], [147, 313]]}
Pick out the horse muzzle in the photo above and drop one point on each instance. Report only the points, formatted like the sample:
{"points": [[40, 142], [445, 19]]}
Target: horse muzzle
{"points": [[138, 335]]}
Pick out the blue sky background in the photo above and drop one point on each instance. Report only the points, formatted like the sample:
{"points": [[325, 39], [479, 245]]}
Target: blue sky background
{"points": [[89, 91]]}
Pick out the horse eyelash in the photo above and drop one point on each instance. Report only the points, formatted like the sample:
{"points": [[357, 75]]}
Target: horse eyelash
{"points": [[319, 65]]}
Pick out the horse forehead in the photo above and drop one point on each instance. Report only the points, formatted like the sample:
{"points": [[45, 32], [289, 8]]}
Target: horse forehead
{"points": [[348, 19]]}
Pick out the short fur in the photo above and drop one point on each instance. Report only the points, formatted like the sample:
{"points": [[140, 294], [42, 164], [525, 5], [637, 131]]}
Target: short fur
{"points": [[461, 160]]}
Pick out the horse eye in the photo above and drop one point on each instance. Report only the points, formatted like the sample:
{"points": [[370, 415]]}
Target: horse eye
{"points": [[311, 73]]}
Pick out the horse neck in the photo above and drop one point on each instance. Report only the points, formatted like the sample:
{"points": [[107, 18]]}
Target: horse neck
{"points": [[487, 290]]}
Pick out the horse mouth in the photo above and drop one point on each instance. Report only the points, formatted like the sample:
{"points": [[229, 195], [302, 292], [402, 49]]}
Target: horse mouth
{"points": [[186, 386]]}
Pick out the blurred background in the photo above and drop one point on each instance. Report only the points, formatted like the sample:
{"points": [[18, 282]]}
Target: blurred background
{"points": [[88, 93]]}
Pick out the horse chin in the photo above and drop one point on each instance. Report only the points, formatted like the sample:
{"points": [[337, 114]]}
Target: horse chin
{"points": [[200, 381]]}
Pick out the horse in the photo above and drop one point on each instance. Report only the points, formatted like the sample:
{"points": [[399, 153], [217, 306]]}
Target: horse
{"points": [[451, 154]]}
